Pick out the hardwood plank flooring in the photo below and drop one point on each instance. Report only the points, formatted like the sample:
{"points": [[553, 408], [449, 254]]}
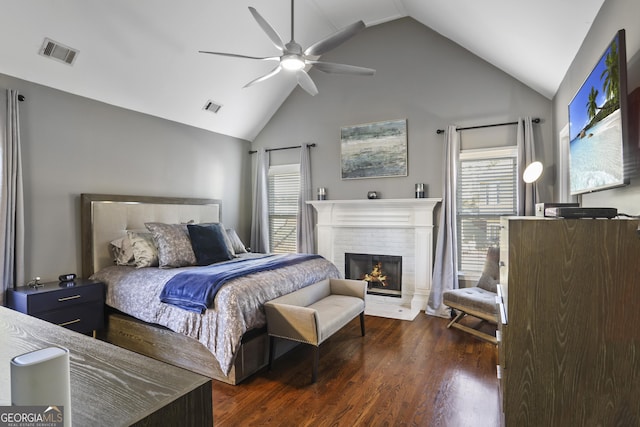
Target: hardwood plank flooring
{"points": [[400, 374]]}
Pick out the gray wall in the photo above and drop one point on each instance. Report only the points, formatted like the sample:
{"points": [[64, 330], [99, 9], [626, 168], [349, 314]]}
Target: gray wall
{"points": [[614, 15], [420, 76], [73, 145]]}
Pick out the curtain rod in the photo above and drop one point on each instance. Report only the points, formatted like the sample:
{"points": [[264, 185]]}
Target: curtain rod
{"points": [[283, 148], [536, 120]]}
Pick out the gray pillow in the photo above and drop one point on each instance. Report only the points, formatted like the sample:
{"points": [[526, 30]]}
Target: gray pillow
{"points": [[236, 243], [174, 244], [491, 271]]}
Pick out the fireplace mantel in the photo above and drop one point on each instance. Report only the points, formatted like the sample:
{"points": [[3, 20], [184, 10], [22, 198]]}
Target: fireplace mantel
{"points": [[396, 226]]}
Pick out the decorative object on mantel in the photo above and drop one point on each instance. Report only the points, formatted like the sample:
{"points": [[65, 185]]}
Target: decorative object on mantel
{"points": [[371, 195], [322, 193], [374, 150], [420, 193]]}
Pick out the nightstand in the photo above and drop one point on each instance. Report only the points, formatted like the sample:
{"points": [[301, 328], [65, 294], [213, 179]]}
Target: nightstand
{"points": [[77, 305]]}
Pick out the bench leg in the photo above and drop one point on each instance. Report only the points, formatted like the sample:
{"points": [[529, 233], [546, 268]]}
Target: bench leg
{"points": [[362, 323], [272, 350], [316, 362]]}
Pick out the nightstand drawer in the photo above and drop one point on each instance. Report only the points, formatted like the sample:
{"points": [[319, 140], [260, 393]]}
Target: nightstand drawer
{"points": [[65, 297], [81, 318]]}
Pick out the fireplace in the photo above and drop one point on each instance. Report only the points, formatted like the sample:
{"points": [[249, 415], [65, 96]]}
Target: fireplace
{"points": [[402, 227], [383, 273]]}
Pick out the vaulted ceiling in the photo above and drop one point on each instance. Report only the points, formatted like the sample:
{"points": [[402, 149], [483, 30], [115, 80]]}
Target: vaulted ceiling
{"points": [[143, 55]]}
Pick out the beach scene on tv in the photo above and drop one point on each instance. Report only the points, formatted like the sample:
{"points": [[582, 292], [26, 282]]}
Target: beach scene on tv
{"points": [[595, 128]]}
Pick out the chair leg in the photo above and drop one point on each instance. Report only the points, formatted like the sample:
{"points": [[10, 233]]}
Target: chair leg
{"points": [[479, 334], [455, 319], [362, 323], [316, 362]]}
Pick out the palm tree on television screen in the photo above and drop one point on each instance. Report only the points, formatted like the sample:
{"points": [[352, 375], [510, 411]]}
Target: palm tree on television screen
{"points": [[592, 106], [610, 85]]}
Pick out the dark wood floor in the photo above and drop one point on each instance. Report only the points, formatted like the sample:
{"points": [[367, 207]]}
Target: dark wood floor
{"points": [[400, 374]]}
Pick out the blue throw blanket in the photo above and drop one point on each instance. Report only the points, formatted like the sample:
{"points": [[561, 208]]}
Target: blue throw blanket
{"points": [[195, 289]]}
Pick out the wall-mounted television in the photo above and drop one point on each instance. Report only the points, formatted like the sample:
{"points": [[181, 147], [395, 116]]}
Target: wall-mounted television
{"points": [[599, 153]]}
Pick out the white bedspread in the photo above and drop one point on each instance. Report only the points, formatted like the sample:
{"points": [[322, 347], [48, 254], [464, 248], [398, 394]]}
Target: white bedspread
{"points": [[237, 306]]}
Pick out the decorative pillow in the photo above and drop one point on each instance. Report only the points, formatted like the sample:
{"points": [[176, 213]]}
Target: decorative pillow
{"points": [[236, 243], [491, 271], [145, 253], [174, 245], [122, 251], [208, 242], [227, 241]]}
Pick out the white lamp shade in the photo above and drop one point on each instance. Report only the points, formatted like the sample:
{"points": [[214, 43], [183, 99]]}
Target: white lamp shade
{"points": [[532, 172]]}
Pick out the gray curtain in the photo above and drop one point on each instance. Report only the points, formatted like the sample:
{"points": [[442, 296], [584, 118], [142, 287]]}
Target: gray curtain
{"points": [[445, 268], [305, 238], [526, 155], [12, 203], [260, 217]]}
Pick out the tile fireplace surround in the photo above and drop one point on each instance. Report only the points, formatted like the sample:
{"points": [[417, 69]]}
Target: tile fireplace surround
{"points": [[402, 227]]}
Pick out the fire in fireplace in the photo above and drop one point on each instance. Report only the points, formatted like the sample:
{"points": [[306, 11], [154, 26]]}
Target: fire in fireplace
{"points": [[383, 273]]}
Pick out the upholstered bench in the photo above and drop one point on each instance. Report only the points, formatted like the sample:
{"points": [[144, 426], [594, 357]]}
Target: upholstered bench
{"points": [[312, 314]]}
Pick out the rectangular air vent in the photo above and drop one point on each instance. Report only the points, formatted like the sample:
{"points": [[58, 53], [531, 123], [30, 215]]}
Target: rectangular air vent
{"points": [[59, 52], [212, 106]]}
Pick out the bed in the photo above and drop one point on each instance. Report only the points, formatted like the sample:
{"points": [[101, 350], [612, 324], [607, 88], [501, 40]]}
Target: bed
{"points": [[228, 340]]}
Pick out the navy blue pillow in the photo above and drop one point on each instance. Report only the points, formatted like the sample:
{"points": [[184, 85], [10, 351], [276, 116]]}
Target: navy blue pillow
{"points": [[208, 243]]}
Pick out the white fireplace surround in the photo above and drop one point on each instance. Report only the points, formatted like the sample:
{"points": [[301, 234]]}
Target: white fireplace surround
{"points": [[401, 227]]}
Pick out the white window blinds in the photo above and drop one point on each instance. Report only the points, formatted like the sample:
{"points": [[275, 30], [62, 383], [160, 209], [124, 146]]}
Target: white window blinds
{"points": [[487, 190], [284, 187]]}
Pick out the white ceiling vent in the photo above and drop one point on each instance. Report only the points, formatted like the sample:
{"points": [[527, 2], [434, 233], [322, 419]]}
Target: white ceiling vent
{"points": [[57, 51], [212, 106]]}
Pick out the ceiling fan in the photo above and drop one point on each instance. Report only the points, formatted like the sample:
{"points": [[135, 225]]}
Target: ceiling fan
{"points": [[294, 59]]}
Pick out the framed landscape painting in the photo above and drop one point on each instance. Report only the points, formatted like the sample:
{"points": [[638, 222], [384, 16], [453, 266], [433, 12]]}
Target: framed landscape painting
{"points": [[374, 150]]}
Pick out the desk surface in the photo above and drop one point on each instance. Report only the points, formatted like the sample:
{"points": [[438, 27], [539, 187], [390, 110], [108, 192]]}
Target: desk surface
{"points": [[109, 385]]}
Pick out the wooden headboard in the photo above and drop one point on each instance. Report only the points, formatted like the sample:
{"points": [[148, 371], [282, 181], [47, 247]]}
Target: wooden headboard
{"points": [[106, 217]]}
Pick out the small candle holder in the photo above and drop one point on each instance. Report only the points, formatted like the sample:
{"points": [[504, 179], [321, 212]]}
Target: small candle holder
{"points": [[419, 190], [322, 193]]}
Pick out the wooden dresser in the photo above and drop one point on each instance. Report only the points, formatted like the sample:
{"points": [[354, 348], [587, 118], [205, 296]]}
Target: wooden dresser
{"points": [[109, 385], [570, 344]]}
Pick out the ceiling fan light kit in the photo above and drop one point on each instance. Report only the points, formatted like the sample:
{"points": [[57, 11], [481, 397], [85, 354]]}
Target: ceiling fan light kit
{"points": [[294, 59], [292, 62]]}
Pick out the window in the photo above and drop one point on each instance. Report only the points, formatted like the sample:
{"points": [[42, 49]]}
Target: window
{"points": [[284, 187], [487, 190]]}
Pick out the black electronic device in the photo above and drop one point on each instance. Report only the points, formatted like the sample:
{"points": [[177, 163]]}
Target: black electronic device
{"points": [[578, 212], [542, 207], [67, 277]]}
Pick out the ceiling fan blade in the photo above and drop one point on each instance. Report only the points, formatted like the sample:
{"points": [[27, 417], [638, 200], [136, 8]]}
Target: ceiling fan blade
{"points": [[334, 40], [268, 29], [306, 83], [330, 67], [234, 55], [265, 77]]}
